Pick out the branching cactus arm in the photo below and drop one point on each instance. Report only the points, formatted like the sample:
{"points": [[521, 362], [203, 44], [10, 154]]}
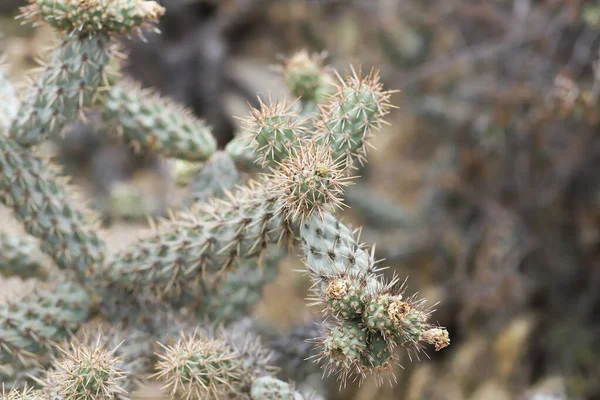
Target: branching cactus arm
{"points": [[150, 122]]}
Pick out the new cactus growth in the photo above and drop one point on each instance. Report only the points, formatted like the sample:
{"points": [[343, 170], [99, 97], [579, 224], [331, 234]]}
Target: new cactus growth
{"points": [[208, 262]]}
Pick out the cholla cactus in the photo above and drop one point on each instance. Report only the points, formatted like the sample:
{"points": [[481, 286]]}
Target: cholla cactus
{"points": [[208, 262]]}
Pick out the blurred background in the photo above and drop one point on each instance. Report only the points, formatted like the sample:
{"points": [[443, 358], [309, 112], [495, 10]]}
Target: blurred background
{"points": [[484, 189]]}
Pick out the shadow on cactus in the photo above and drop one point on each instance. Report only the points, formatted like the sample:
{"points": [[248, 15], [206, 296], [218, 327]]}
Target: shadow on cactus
{"points": [[161, 288]]}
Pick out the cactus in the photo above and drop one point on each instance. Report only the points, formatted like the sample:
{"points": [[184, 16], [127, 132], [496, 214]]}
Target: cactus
{"points": [[95, 16], [149, 122], [218, 176], [9, 103], [30, 326], [209, 262], [67, 86], [43, 204], [200, 365], [269, 388], [235, 295], [18, 257], [307, 78]]}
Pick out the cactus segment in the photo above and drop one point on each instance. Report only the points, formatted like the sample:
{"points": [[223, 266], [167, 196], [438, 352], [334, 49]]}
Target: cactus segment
{"points": [[240, 289], [30, 326], [150, 122], [211, 364], [218, 176], [273, 130], [9, 103], [351, 114], [18, 257], [203, 239], [309, 182], [347, 283], [85, 371], [39, 200], [95, 16], [307, 78], [269, 388], [67, 86]]}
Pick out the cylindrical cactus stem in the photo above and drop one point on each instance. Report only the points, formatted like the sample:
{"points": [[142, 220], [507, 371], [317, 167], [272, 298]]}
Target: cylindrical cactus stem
{"points": [[30, 326], [95, 16], [9, 102], [342, 349], [290, 349], [38, 198], [269, 388], [349, 116], [273, 130], [212, 363], [150, 122], [204, 239], [235, 294], [67, 86], [241, 151], [308, 79], [18, 257], [218, 175]]}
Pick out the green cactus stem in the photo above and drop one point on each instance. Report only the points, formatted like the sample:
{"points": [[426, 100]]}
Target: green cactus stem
{"points": [[30, 186], [351, 114], [269, 388], [18, 257], [273, 130], [9, 102], [204, 239], [95, 16], [364, 309], [67, 86], [218, 176], [30, 326], [234, 296], [150, 122]]}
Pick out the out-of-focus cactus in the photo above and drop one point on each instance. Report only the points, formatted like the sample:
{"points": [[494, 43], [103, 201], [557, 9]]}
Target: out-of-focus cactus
{"points": [[150, 122], [67, 86], [218, 176], [234, 296], [32, 325], [9, 102], [95, 16], [40, 200], [308, 79], [269, 388], [18, 257]]}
